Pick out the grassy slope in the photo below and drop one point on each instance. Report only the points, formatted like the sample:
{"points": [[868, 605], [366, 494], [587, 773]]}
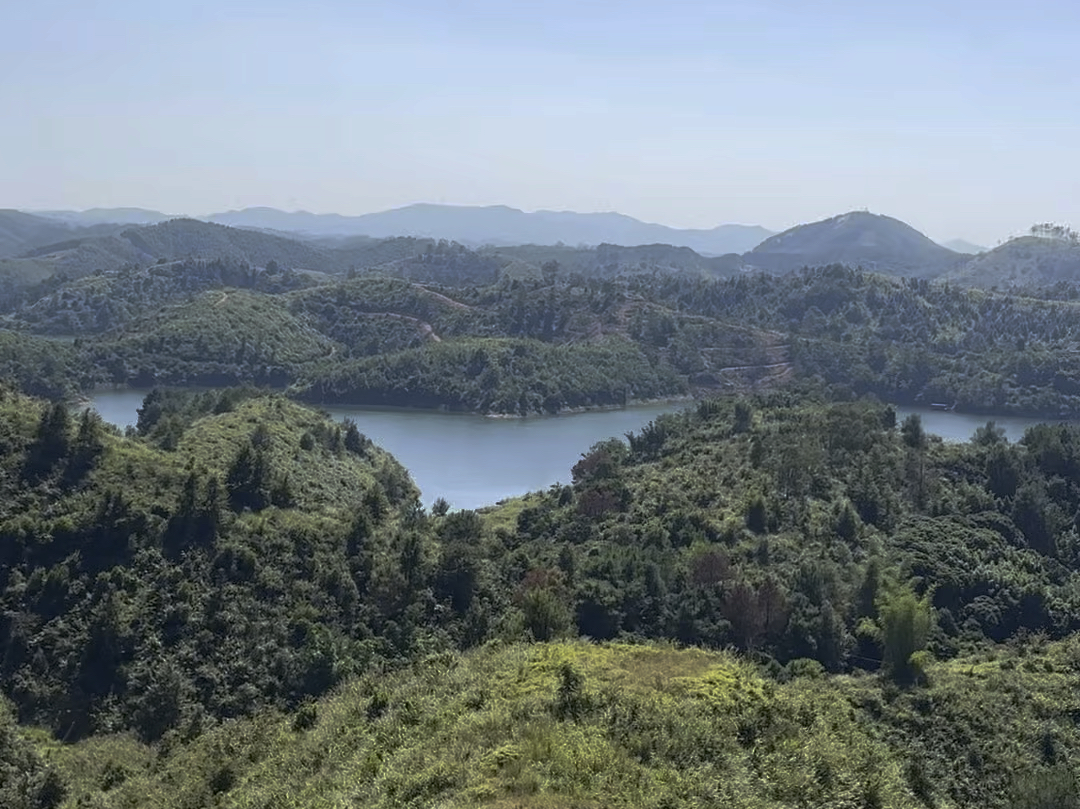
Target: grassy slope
{"points": [[649, 726]]}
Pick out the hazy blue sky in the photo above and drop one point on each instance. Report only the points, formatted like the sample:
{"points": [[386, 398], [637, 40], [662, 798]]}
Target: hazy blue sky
{"points": [[959, 117]]}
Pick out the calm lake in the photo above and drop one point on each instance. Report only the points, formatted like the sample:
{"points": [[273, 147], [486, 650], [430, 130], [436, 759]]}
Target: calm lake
{"points": [[474, 461], [470, 460], [961, 426]]}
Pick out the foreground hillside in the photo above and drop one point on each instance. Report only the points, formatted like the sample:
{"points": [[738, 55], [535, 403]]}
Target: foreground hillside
{"points": [[203, 571], [580, 725], [180, 605]]}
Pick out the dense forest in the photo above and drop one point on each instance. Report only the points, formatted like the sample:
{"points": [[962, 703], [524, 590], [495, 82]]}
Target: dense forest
{"points": [[377, 338], [241, 587]]}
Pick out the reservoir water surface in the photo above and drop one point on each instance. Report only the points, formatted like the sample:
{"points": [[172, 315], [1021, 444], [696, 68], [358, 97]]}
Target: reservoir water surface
{"points": [[470, 460], [474, 461]]}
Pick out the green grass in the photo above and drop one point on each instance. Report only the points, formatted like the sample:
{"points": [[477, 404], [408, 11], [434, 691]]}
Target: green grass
{"points": [[649, 726]]}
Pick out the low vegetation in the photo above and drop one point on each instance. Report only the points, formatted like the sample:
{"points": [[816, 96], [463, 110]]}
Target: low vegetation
{"points": [[243, 603]]}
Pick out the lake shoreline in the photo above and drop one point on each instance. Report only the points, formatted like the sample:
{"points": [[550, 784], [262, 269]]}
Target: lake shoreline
{"points": [[468, 460], [86, 397]]}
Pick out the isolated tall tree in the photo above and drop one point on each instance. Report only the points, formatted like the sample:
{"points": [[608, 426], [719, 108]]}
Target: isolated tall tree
{"points": [[906, 621], [248, 480], [52, 441]]}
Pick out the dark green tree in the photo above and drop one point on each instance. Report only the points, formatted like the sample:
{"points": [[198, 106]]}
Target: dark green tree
{"points": [[912, 432], [906, 621], [248, 480], [52, 441]]}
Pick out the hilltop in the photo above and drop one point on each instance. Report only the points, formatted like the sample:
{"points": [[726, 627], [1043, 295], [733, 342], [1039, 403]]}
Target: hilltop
{"points": [[874, 242], [858, 239], [1028, 262]]}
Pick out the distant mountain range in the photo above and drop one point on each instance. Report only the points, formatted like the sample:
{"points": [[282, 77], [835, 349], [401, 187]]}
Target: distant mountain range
{"points": [[108, 216], [35, 247], [501, 225], [471, 225]]}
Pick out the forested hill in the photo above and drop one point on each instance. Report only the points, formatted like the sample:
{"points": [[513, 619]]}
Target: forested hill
{"points": [[520, 346], [549, 340], [39, 249], [1030, 262], [21, 232], [83, 253], [876, 590], [905, 340], [858, 239], [206, 569]]}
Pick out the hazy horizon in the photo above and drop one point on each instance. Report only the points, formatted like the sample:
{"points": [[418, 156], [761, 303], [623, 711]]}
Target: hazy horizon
{"points": [[953, 117]]}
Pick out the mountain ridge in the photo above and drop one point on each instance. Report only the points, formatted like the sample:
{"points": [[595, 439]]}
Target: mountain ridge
{"points": [[499, 224], [33, 248], [857, 238]]}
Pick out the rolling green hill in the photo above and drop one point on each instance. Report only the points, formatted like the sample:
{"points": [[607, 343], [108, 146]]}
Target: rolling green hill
{"points": [[516, 376], [188, 238], [147, 588], [111, 300], [612, 259], [904, 340], [1029, 262], [21, 232], [858, 239], [219, 338]]}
